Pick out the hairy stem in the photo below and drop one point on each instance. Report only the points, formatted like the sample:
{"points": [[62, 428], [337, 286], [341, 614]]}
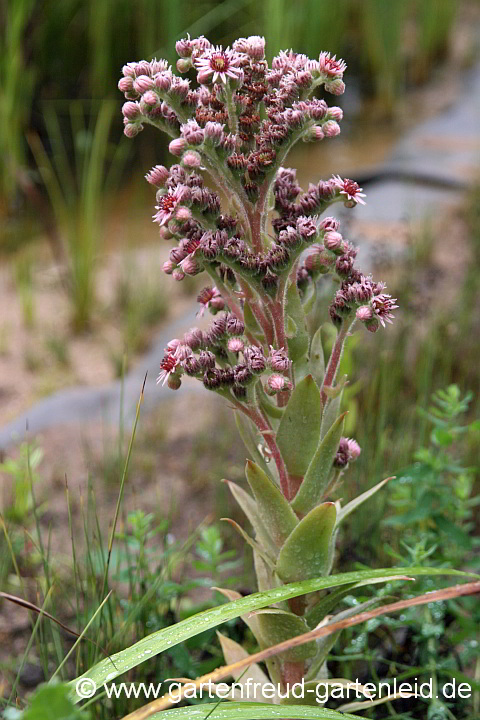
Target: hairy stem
{"points": [[267, 433], [335, 357]]}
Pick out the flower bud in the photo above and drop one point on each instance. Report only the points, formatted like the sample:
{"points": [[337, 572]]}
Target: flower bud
{"points": [[203, 77], [143, 83], [125, 84], [131, 110], [165, 233], [217, 303], [335, 113], [178, 275], [329, 223], [184, 65], [372, 325], [191, 365], [190, 266], [331, 128], [191, 159], [333, 240], [168, 267], [364, 313], [277, 383], [150, 98], [193, 338], [214, 132], [129, 70], [182, 213], [131, 130], [174, 382], [335, 87], [158, 175], [184, 47], [163, 81], [177, 146]]}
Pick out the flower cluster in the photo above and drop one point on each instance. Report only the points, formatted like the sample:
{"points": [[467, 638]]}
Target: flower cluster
{"points": [[235, 119], [222, 357]]}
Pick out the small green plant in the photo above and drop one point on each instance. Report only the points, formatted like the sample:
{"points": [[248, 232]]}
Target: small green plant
{"points": [[16, 92], [23, 473], [77, 197], [142, 304], [24, 285], [58, 348], [432, 510]]}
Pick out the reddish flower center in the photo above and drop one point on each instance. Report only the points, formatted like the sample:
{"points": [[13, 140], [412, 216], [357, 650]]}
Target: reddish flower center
{"points": [[351, 187], [168, 202], [205, 296], [219, 62], [332, 65], [192, 245], [168, 363]]}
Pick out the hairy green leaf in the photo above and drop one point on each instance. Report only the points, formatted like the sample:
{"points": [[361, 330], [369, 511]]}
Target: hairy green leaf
{"points": [[250, 508], [318, 474], [317, 358], [299, 429], [306, 550], [278, 625], [275, 512], [297, 333]]}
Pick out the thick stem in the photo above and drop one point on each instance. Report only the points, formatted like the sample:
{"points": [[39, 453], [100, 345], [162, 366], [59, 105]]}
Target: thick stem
{"points": [[232, 115], [257, 311], [335, 358], [256, 215], [268, 435], [292, 672]]}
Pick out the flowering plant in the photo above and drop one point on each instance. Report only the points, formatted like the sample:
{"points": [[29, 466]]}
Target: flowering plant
{"points": [[264, 244]]}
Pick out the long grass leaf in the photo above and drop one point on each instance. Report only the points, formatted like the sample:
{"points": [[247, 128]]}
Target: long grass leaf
{"points": [[164, 639]]}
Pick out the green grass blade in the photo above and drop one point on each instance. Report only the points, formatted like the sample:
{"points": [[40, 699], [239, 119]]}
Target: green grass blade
{"points": [[251, 711], [157, 642]]}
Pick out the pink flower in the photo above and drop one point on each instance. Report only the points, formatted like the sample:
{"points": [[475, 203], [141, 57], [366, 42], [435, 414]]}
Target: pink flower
{"points": [[167, 204], [235, 345], [349, 188], [330, 66], [383, 305], [354, 448], [167, 367], [219, 63], [207, 296]]}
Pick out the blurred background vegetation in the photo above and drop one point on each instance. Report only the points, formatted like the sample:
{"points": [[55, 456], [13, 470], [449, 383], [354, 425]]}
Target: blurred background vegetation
{"points": [[53, 54]]}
